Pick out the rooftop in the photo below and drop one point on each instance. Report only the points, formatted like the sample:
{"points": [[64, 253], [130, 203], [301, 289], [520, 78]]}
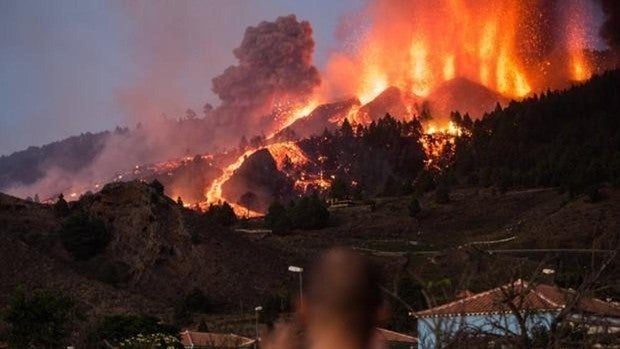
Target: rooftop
{"points": [[523, 296]]}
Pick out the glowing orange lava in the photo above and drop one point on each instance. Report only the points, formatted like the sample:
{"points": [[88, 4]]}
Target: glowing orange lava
{"points": [[417, 45], [279, 151]]}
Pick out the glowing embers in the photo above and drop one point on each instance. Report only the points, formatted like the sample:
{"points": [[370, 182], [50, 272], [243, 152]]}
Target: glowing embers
{"points": [[438, 143]]}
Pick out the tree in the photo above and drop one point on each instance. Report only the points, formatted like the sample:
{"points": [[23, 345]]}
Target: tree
{"points": [[339, 188], [277, 218], [221, 214], [194, 302], [310, 212], [203, 326], [157, 186], [118, 327], [84, 236], [39, 319], [346, 130], [414, 207], [61, 208], [248, 200]]}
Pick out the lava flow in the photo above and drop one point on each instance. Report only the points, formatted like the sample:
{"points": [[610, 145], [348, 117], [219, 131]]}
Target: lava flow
{"points": [[282, 152]]}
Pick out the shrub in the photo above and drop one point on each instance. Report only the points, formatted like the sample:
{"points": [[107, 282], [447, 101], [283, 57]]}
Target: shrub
{"points": [[84, 236], [222, 215], [61, 208], [157, 186], [40, 319], [119, 327], [310, 212], [414, 207], [194, 302], [277, 218]]}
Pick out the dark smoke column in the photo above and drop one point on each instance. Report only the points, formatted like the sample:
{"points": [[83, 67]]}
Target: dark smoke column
{"points": [[275, 66]]}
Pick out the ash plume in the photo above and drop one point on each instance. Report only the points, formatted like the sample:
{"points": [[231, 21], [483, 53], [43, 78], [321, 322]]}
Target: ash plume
{"points": [[275, 68], [610, 30]]}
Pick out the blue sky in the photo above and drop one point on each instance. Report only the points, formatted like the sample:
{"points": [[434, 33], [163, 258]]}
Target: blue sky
{"points": [[64, 63]]}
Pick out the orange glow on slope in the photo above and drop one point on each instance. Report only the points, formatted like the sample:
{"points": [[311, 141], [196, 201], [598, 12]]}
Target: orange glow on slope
{"points": [[279, 151], [214, 193]]}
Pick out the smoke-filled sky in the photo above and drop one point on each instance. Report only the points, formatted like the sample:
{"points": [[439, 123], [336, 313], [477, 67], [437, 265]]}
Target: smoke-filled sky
{"points": [[71, 66]]}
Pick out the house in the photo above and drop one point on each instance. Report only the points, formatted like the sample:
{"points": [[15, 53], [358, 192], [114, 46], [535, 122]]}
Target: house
{"points": [[396, 340], [196, 340], [511, 310]]}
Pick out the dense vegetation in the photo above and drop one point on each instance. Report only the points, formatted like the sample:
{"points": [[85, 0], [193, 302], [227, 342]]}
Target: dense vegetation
{"points": [[309, 212], [38, 319], [84, 236], [569, 139], [116, 328], [381, 158]]}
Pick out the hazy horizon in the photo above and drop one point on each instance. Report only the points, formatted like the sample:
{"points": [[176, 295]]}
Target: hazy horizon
{"points": [[66, 65]]}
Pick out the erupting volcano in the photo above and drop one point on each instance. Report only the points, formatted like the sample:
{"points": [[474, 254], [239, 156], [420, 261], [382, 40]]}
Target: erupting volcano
{"points": [[414, 59], [513, 47]]}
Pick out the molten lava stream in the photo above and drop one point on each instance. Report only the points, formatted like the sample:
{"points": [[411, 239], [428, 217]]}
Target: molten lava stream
{"points": [[279, 151], [214, 193]]}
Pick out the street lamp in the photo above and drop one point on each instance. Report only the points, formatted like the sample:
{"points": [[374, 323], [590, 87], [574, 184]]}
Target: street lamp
{"points": [[300, 271], [256, 311]]}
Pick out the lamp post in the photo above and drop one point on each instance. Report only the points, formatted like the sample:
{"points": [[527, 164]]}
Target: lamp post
{"points": [[256, 311], [300, 271]]}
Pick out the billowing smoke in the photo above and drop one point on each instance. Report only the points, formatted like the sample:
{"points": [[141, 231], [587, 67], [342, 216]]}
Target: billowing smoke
{"points": [[275, 70], [610, 31]]}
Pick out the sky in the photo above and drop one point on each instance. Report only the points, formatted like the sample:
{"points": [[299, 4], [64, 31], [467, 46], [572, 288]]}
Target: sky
{"points": [[73, 66]]}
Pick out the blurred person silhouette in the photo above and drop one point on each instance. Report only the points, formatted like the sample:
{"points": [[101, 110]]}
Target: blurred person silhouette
{"points": [[340, 309]]}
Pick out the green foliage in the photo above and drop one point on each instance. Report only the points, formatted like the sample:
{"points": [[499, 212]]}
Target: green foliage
{"points": [[61, 208], [84, 236], [309, 212], [40, 319], [414, 207], [277, 218], [221, 214], [151, 341], [410, 292], [119, 327], [249, 201], [369, 155], [567, 139], [194, 302]]}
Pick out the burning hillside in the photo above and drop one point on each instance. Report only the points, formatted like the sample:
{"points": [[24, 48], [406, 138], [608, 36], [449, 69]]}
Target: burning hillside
{"points": [[416, 60]]}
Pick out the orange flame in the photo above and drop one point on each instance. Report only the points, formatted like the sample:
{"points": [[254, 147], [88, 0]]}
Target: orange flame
{"points": [[417, 45]]}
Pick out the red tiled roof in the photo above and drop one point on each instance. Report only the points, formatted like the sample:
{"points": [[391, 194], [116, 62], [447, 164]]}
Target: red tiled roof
{"points": [[535, 298], [214, 340], [395, 337]]}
